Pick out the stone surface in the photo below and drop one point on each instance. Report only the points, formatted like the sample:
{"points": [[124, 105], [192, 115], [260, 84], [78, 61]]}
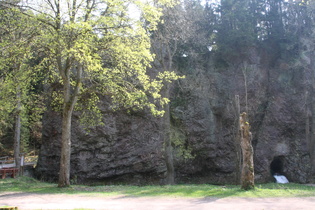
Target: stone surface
{"points": [[128, 148]]}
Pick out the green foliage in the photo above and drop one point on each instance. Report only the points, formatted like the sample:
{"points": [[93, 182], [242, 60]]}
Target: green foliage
{"points": [[113, 49], [235, 31], [243, 24], [17, 75], [91, 115], [179, 140]]}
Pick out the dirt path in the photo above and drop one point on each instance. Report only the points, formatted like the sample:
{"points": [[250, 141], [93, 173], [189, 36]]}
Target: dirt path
{"points": [[60, 201]]}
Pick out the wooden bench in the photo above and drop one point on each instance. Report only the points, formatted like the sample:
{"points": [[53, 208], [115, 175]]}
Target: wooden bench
{"points": [[10, 171], [8, 167]]}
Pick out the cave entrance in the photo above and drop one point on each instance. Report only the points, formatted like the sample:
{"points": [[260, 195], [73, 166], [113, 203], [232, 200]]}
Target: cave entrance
{"points": [[276, 166]]}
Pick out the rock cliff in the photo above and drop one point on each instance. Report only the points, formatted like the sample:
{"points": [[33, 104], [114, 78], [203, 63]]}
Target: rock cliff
{"points": [[128, 148]]}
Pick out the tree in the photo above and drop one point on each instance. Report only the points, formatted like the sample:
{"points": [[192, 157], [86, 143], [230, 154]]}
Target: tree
{"points": [[235, 30], [177, 37], [94, 47], [17, 38], [165, 41]]}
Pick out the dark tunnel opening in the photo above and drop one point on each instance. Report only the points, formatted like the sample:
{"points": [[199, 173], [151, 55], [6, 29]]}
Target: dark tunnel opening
{"points": [[276, 166]]}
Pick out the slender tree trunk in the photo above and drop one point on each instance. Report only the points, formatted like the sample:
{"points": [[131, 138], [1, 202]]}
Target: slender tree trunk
{"points": [[238, 149], [308, 115], [247, 179], [170, 176], [68, 106], [64, 173], [169, 160], [17, 131], [312, 139], [244, 71], [168, 149]]}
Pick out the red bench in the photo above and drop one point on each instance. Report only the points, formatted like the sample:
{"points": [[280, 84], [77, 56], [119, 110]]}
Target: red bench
{"points": [[10, 171]]}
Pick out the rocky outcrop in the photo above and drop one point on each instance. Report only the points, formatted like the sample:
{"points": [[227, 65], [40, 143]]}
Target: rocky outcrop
{"points": [[128, 148]]}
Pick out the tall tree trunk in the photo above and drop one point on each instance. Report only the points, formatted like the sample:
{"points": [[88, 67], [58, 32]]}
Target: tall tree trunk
{"points": [[68, 106], [247, 179], [17, 131], [308, 115], [312, 139], [64, 173], [169, 160], [168, 149], [245, 71], [238, 150]]}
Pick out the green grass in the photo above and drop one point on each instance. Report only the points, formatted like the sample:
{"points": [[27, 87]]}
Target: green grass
{"points": [[28, 185]]}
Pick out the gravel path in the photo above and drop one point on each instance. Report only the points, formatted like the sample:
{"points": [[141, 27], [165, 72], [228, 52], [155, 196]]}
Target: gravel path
{"points": [[60, 201]]}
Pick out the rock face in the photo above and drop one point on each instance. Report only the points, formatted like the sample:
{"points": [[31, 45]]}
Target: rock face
{"points": [[128, 148]]}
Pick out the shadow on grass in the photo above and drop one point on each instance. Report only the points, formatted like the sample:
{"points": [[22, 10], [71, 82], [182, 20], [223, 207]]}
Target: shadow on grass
{"points": [[28, 185]]}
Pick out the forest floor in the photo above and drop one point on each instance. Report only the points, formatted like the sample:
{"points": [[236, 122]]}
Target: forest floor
{"points": [[33, 201]]}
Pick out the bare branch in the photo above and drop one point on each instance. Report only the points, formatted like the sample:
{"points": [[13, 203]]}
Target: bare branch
{"points": [[51, 5]]}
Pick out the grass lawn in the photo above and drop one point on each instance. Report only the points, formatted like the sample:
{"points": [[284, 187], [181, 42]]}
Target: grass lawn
{"points": [[29, 185]]}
